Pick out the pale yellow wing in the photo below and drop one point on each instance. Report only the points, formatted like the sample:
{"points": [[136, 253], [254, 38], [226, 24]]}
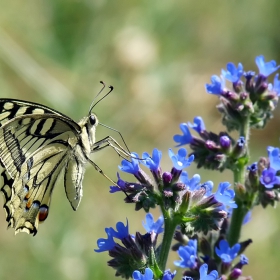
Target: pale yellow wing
{"points": [[34, 150], [12, 108]]}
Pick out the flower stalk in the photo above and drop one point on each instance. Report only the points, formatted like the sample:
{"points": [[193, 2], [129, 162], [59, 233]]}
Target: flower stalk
{"points": [[206, 225], [169, 231]]}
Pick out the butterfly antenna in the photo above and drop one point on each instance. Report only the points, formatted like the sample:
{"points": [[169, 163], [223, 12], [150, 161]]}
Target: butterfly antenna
{"points": [[118, 133], [93, 103]]}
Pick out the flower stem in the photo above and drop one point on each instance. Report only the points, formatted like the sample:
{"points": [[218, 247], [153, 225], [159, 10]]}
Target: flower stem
{"points": [[239, 173], [169, 229], [237, 218]]}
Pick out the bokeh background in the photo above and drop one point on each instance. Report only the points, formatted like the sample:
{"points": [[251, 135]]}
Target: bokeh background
{"points": [[158, 55]]}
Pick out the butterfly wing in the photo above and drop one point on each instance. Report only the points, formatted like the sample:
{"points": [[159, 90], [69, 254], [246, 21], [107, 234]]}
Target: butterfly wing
{"points": [[6, 183], [34, 150], [12, 108]]}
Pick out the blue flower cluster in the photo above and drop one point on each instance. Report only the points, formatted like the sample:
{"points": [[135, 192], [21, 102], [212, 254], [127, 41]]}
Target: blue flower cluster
{"points": [[234, 74], [205, 224], [133, 248]]}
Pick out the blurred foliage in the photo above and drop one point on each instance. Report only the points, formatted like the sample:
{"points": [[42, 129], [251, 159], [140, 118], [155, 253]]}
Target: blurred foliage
{"points": [[158, 55]]}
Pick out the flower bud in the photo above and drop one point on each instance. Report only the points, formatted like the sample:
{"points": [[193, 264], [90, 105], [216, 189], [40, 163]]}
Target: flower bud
{"points": [[240, 147], [167, 177], [240, 191], [225, 142], [235, 273]]}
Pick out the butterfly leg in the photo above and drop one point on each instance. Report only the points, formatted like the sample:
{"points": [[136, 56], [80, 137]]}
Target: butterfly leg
{"points": [[111, 142], [97, 168]]}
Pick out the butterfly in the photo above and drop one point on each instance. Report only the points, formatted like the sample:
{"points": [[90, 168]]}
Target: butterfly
{"points": [[37, 144]]}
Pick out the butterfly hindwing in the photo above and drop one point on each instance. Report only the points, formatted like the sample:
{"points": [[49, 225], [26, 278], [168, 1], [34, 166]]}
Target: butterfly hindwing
{"points": [[6, 183], [73, 178], [34, 150], [32, 193]]}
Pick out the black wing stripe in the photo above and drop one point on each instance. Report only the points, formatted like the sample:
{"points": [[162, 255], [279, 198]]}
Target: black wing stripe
{"points": [[6, 189], [14, 149], [40, 126], [36, 143]]}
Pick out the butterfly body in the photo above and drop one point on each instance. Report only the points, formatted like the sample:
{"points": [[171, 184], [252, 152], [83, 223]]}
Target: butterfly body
{"points": [[37, 145]]}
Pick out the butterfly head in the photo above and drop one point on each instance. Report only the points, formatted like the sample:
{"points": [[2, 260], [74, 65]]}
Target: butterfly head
{"points": [[92, 120], [88, 125]]}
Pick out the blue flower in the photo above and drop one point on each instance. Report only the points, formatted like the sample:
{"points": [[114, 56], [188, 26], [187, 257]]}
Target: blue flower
{"points": [[193, 183], [203, 273], [152, 226], [106, 244], [270, 149], [269, 178], [208, 187], [266, 68], [241, 142], [120, 185], [276, 85], [249, 75], [152, 162], [198, 124], [253, 167], [122, 230], [233, 74], [217, 85], [130, 166], [180, 161], [243, 259], [148, 275], [225, 195], [184, 139], [168, 275], [274, 157], [114, 189], [226, 253], [188, 255]]}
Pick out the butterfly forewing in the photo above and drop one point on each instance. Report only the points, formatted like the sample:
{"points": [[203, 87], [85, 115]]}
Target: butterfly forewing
{"points": [[11, 108], [36, 145]]}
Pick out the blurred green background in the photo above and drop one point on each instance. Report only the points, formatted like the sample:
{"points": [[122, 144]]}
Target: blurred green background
{"points": [[158, 55]]}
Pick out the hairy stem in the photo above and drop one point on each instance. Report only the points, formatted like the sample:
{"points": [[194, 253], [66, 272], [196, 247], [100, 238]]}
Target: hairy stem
{"points": [[239, 173], [170, 224]]}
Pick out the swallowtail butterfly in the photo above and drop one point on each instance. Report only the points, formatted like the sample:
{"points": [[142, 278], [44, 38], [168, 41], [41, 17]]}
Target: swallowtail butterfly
{"points": [[37, 144]]}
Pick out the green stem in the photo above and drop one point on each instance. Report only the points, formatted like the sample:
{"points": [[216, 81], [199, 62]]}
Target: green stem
{"points": [[170, 224], [239, 213], [237, 218]]}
